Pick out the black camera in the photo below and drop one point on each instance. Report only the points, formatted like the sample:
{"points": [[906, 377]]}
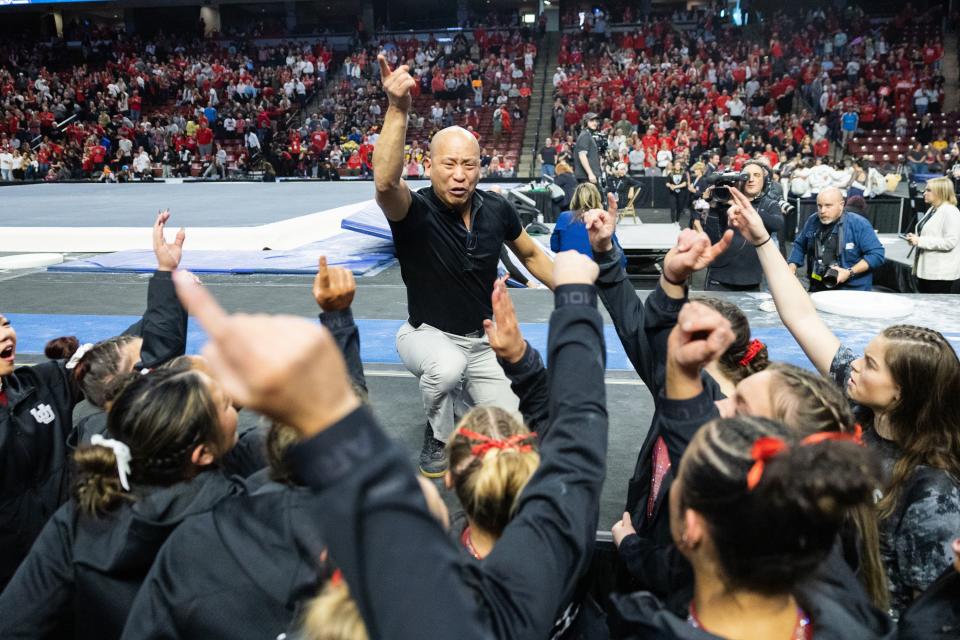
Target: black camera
{"points": [[721, 183], [827, 277]]}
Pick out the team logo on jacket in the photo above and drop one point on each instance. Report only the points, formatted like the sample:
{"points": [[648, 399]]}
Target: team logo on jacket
{"points": [[43, 413]]}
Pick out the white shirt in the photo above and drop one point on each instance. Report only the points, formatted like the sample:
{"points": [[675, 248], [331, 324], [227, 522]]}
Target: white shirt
{"points": [[6, 160]]}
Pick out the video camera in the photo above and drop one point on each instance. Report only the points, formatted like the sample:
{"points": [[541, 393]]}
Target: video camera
{"points": [[721, 183]]}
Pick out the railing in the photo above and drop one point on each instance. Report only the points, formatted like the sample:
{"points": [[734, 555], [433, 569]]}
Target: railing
{"points": [[35, 142]]}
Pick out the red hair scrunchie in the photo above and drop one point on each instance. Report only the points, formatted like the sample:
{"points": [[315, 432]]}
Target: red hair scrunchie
{"points": [[752, 350], [763, 450]]}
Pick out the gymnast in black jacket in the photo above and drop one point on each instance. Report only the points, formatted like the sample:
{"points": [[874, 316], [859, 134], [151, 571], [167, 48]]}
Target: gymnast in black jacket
{"points": [[37, 433], [405, 574], [255, 559]]}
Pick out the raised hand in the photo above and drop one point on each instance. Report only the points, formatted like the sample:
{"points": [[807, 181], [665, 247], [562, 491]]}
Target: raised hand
{"points": [[743, 217], [601, 225], [334, 287], [570, 267], [693, 252], [503, 332], [168, 254], [701, 335], [287, 368], [396, 84]]}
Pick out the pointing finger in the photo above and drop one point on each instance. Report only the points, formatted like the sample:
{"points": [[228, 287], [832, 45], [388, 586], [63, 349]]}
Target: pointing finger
{"points": [[323, 273], [384, 67], [200, 304]]}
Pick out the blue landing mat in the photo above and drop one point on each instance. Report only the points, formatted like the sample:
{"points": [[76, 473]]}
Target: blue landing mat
{"points": [[377, 337], [369, 221], [361, 254]]}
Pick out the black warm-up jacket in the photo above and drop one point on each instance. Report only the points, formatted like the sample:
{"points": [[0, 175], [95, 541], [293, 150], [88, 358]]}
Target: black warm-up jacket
{"points": [[836, 612], [406, 575], [82, 574], [643, 328], [253, 560], [35, 449]]}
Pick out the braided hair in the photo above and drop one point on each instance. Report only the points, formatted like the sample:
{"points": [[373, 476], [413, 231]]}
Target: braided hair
{"points": [[162, 417], [771, 536], [925, 418]]}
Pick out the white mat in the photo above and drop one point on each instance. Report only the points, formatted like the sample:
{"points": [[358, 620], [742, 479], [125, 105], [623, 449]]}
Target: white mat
{"points": [[863, 304]]}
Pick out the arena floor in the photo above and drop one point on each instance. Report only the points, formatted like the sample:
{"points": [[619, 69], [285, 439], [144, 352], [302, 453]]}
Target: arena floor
{"points": [[45, 304]]}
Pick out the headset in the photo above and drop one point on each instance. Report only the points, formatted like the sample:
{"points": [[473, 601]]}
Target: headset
{"points": [[767, 176]]}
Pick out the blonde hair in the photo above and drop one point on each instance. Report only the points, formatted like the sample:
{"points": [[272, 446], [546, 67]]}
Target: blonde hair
{"points": [[489, 483], [586, 197], [333, 615], [942, 190]]}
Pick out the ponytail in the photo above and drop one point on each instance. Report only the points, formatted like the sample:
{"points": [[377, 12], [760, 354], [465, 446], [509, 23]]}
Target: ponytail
{"points": [[333, 615], [97, 488], [492, 457], [61, 348], [745, 356]]}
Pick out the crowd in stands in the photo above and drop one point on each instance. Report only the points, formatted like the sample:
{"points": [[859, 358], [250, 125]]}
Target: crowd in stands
{"points": [[171, 107], [123, 108], [480, 81], [800, 96]]}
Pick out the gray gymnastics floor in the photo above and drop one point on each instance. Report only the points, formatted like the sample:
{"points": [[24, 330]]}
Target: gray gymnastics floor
{"points": [[393, 391]]}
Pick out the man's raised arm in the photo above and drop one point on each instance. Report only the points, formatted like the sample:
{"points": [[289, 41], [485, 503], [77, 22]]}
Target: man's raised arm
{"points": [[393, 195]]}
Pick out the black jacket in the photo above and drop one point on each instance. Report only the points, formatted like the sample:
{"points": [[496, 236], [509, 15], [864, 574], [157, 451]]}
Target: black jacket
{"points": [[253, 560], [835, 616], [649, 557], [241, 570], [935, 614], [33, 455], [407, 577], [82, 574], [740, 265], [163, 328], [37, 434]]}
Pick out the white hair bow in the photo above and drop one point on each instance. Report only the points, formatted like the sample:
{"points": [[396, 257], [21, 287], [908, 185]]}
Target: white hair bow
{"points": [[122, 454], [76, 357]]}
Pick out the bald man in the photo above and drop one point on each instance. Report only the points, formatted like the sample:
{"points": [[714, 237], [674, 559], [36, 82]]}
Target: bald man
{"points": [[448, 238], [837, 239]]}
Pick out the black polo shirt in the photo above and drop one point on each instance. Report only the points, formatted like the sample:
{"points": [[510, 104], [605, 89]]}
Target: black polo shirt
{"points": [[449, 272]]}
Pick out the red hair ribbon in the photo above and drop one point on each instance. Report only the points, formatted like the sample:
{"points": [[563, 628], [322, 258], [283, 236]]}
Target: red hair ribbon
{"points": [[486, 443], [766, 448], [336, 578], [752, 350]]}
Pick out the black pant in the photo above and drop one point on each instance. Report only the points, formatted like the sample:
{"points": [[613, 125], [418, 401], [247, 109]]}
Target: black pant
{"points": [[678, 201], [715, 285], [936, 286]]}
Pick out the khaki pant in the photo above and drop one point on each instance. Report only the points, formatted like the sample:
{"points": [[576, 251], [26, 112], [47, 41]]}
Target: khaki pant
{"points": [[455, 373]]}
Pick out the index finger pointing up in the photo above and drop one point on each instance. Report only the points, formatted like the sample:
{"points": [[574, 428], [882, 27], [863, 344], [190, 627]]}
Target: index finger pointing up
{"points": [[384, 67], [324, 273], [200, 304]]}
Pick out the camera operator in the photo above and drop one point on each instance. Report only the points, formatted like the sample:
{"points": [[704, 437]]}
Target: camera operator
{"points": [[586, 152], [840, 246], [738, 268]]}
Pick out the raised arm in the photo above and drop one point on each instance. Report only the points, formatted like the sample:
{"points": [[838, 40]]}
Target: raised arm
{"points": [[380, 528], [164, 323], [793, 303], [547, 547], [521, 362], [393, 194], [333, 289]]}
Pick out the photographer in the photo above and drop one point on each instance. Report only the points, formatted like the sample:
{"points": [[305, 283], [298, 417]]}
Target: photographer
{"points": [[841, 247], [738, 268]]}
